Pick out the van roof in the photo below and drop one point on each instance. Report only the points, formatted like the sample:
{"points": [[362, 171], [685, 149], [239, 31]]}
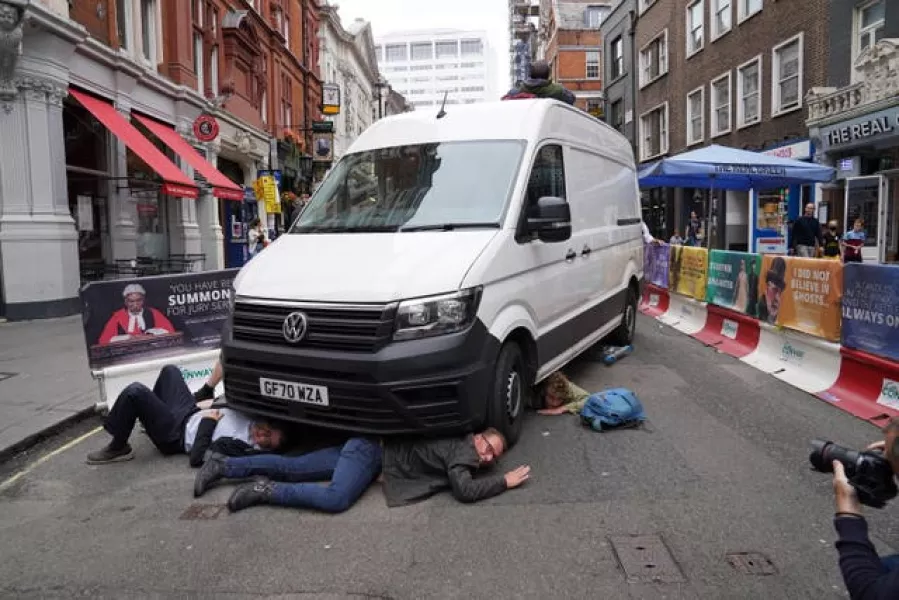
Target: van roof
{"points": [[529, 120]]}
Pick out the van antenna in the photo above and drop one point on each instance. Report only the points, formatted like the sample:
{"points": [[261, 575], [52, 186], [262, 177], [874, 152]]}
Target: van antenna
{"points": [[442, 112]]}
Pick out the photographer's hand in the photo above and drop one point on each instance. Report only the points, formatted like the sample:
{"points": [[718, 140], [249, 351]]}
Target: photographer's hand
{"points": [[844, 494]]}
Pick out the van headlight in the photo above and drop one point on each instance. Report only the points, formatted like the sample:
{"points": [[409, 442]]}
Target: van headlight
{"points": [[437, 315]]}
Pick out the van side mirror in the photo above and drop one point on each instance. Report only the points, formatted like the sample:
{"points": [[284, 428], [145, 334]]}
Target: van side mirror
{"points": [[550, 220]]}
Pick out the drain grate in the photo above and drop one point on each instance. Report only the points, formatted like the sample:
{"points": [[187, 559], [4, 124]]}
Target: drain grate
{"points": [[6, 376], [751, 563], [202, 512], [646, 559]]}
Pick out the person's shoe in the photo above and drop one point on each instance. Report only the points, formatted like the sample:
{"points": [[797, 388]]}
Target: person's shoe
{"points": [[211, 471], [110, 455], [204, 393], [251, 494]]}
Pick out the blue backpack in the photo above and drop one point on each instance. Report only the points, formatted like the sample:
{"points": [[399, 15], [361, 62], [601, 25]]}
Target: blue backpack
{"points": [[611, 409]]}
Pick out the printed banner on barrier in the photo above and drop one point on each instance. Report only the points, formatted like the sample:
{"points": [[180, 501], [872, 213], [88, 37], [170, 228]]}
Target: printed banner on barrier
{"points": [[802, 294], [655, 263], [871, 309], [688, 272], [131, 320], [733, 280]]}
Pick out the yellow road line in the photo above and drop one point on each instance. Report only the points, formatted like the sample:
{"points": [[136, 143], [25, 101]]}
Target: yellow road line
{"points": [[46, 457]]}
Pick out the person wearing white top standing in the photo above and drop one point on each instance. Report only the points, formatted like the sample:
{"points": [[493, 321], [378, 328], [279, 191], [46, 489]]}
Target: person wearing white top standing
{"points": [[256, 237], [647, 237]]}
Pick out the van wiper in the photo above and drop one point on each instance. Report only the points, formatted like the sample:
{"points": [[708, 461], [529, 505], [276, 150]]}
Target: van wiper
{"points": [[352, 229], [451, 226]]}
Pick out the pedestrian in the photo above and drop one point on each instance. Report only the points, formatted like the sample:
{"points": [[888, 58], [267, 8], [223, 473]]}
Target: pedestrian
{"points": [[693, 229], [539, 85], [806, 234], [854, 241], [676, 239], [832, 241], [256, 237], [175, 423], [412, 470]]}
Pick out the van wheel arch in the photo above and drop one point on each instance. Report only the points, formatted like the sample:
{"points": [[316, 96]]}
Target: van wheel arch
{"points": [[510, 390]]}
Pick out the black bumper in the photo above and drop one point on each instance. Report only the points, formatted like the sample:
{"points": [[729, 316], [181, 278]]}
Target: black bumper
{"points": [[430, 386]]}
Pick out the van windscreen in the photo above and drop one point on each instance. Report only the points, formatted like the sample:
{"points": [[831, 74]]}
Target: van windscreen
{"points": [[435, 186]]}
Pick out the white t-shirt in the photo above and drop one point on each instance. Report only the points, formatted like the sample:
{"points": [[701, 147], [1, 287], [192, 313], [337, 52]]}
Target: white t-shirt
{"points": [[647, 237], [232, 424]]}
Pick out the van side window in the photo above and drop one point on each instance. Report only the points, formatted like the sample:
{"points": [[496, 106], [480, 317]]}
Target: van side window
{"points": [[547, 176]]}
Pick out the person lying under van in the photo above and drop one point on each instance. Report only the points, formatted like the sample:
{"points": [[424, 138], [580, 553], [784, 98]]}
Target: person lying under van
{"points": [[412, 471], [207, 391], [176, 423], [561, 396]]}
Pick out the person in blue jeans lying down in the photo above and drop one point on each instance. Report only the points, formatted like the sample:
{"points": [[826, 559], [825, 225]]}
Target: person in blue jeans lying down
{"points": [[412, 471]]}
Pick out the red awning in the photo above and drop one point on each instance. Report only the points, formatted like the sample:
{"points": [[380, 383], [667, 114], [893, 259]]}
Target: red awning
{"points": [[222, 187], [175, 182]]}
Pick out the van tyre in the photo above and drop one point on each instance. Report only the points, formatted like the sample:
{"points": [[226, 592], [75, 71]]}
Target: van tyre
{"points": [[509, 393], [624, 334]]}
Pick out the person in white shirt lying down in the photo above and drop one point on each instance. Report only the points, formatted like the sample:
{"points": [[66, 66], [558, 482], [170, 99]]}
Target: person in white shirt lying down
{"points": [[177, 424]]}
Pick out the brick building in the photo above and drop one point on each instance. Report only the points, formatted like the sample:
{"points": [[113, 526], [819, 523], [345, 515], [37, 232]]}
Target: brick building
{"points": [[570, 42], [733, 73], [105, 97]]}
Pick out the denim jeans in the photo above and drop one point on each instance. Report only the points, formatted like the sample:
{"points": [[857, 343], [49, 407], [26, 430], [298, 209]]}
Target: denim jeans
{"points": [[350, 469]]}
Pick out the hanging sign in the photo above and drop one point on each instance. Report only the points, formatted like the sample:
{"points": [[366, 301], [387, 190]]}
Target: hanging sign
{"points": [[206, 128], [266, 189], [331, 99]]}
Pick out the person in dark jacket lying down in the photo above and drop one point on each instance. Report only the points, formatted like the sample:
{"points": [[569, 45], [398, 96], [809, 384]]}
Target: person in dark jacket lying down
{"points": [[412, 471]]}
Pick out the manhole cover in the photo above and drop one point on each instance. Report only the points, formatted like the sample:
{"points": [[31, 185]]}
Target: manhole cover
{"points": [[646, 559], [6, 376], [202, 512], [751, 563]]}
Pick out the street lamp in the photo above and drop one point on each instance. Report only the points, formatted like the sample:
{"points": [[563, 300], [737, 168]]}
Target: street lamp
{"points": [[380, 85]]}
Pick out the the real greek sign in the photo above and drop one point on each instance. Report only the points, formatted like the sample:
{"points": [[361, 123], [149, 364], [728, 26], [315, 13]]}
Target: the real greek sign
{"points": [[862, 130]]}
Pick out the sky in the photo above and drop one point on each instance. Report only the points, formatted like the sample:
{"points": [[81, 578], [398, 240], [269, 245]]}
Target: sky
{"points": [[387, 16]]}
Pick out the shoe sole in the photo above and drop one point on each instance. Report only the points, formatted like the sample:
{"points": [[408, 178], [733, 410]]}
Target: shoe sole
{"points": [[123, 458]]}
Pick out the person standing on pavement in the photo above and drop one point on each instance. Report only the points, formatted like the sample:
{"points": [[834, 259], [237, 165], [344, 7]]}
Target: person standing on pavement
{"points": [[854, 241], [806, 234], [412, 471], [256, 237], [175, 422], [539, 85]]}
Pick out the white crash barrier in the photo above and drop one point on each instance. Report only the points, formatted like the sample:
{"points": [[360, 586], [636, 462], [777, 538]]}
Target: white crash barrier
{"points": [[685, 314], [808, 363]]}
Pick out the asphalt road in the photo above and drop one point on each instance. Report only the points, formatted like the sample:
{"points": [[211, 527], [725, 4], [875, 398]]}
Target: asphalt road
{"points": [[719, 470]]}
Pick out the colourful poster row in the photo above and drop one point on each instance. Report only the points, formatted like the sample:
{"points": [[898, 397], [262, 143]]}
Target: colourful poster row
{"points": [[799, 293]]}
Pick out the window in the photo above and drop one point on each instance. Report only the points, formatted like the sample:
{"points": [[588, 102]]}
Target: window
{"points": [[721, 105], [472, 47], [593, 65], [263, 107], [617, 63], [644, 5], [869, 22], [396, 53], [695, 116], [654, 59], [616, 115], [422, 51], [286, 101], [654, 132], [214, 71], [749, 86], [198, 62], [721, 18], [547, 175], [148, 29], [748, 8], [595, 15], [420, 68], [786, 84], [285, 26], [473, 88], [447, 49], [122, 10], [472, 65], [695, 27], [254, 4]]}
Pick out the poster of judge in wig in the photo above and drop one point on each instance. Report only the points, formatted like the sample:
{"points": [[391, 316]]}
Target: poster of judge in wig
{"points": [[134, 320]]}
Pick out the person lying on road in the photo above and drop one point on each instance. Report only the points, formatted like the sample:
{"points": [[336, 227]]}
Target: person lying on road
{"points": [[175, 422], [412, 471], [560, 396], [207, 392]]}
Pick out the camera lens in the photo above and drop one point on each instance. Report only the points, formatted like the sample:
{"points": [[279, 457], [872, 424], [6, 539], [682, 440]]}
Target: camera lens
{"points": [[824, 453]]}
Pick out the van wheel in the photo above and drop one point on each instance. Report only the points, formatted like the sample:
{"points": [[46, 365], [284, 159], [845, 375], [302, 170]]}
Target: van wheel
{"points": [[624, 334], [509, 393]]}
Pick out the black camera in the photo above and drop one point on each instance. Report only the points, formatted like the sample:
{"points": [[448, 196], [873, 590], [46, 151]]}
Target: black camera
{"points": [[868, 472]]}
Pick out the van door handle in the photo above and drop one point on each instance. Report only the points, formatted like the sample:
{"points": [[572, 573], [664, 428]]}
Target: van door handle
{"points": [[571, 255], [586, 251]]}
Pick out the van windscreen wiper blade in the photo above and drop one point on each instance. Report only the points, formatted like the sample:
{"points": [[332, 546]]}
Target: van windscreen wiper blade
{"points": [[451, 226], [351, 229]]}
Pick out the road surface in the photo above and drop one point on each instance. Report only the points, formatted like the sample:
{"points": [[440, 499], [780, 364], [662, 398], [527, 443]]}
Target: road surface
{"points": [[712, 499]]}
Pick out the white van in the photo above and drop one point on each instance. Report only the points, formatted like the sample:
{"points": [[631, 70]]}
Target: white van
{"points": [[446, 264]]}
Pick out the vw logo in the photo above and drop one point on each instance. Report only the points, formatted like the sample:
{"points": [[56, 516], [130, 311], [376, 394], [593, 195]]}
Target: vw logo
{"points": [[294, 327]]}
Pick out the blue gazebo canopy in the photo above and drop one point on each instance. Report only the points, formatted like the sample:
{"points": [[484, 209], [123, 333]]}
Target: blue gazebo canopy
{"points": [[723, 168]]}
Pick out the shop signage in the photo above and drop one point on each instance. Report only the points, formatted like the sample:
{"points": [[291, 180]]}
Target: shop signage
{"points": [[206, 128], [322, 126], [771, 245], [331, 99], [797, 151], [266, 188], [870, 128]]}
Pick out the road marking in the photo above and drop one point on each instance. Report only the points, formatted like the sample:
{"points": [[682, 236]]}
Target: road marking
{"points": [[45, 458]]}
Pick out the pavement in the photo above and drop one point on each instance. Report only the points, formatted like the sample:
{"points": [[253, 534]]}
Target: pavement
{"points": [[720, 470], [44, 379]]}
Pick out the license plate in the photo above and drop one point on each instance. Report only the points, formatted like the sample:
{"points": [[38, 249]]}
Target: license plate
{"points": [[295, 392]]}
